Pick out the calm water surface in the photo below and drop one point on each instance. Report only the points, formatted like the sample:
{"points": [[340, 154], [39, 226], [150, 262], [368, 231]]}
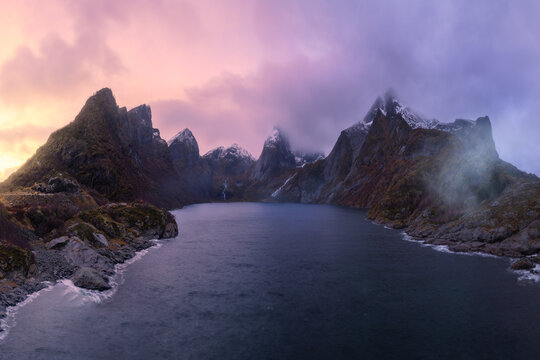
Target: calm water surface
{"points": [[287, 281]]}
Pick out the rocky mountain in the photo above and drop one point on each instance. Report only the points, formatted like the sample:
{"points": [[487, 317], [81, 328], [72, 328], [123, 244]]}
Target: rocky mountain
{"points": [[230, 169], [390, 105], [303, 158], [276, 157], [443, 182], [184, 149], [113, 153], [194, 173]]}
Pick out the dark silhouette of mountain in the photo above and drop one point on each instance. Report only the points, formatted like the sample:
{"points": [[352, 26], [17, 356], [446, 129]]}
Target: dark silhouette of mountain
{"points": [[114, 153]]}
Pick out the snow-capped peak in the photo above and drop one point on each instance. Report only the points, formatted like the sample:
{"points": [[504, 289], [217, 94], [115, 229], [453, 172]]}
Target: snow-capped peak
{"points": [[276, 137], [234, 151], [391, 106], [184, 136], [239, 151]]}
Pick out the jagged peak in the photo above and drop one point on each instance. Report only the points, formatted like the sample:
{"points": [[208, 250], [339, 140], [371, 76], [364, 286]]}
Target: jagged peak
{"points": [[104, 93], [392, 106], [234, 150], [102, 97], [277, 137], [358, 127], [143, 113], [184, 136]]}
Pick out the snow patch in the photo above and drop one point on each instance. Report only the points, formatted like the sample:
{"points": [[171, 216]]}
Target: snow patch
{"points": [[276, 193]]}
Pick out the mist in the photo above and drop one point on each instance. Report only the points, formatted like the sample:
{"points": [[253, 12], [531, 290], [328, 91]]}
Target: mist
{"points": [[446, 60]]}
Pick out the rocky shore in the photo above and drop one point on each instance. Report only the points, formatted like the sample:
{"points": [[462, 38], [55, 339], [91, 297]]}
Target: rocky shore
{"points": [[87, 250]]}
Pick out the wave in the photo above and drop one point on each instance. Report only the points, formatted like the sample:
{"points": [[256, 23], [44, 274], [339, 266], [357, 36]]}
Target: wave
{"points": [[77, 295]]}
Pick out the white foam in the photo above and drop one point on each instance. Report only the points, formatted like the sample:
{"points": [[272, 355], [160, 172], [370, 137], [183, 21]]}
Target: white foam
{"points": [[445, 248], [532, 275], [82, 296], [9, 320], [77, 295]]}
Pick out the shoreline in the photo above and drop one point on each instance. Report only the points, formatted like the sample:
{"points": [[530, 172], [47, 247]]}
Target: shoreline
{"points": [[116, 279], [531, 275]]}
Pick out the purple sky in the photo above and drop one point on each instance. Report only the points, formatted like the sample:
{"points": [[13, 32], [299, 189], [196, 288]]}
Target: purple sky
{"points": [[230, 70]]}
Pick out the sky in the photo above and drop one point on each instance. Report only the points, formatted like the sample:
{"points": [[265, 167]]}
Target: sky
{"points": [[231, 70]]}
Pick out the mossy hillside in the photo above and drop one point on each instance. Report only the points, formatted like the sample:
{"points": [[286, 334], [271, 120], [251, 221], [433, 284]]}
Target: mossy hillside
{"points": [[15, 254], [14, 259], [43, 213], [128, 220]]}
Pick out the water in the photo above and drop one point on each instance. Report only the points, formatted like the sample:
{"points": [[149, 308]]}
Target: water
{"points": [[284, 281]]}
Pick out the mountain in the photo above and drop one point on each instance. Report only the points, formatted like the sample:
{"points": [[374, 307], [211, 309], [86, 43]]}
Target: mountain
{"points": [[113, 153], [220, 174], [390, 105], [445, 183], [276, 157], [230, 168], [184, 149], [303, 158]]}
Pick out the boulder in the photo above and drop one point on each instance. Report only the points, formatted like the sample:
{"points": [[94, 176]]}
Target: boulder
{"points": [[100, 238], [91, 279], [524, 264], [58, 242], [81, 255]]}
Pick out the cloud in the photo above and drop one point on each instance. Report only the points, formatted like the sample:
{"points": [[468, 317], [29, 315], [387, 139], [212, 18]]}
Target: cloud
{"points": [[232, 70], [446, 59], [59, 67]]}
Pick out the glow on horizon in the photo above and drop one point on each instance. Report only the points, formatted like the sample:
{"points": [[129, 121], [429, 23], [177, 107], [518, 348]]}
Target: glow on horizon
{"points": [[231, 70]]}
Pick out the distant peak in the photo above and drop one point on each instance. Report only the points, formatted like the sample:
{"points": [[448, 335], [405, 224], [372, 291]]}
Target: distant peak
{"points": [[233, 151], [390, 105], [183, 136], [277, 137]]}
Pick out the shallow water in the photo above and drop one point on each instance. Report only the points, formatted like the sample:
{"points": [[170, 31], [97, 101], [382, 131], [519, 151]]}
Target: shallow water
{"points": [[286, 281]]}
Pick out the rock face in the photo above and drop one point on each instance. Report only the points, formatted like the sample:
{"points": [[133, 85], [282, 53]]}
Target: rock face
{"points": [[444, 182], [221, 174], [303, 158], [184, 149], [276, 157], [229, 170], [97, 239], [114, 152]]}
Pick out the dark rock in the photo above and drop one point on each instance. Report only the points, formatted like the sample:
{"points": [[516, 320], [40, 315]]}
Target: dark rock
{"points": [[276, 157], [114, 152], [58, 242], [89, 278], [56, 185], [524, 264]]}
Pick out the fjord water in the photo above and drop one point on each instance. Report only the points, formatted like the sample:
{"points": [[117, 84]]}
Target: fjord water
{"points": [[288, 281]]}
